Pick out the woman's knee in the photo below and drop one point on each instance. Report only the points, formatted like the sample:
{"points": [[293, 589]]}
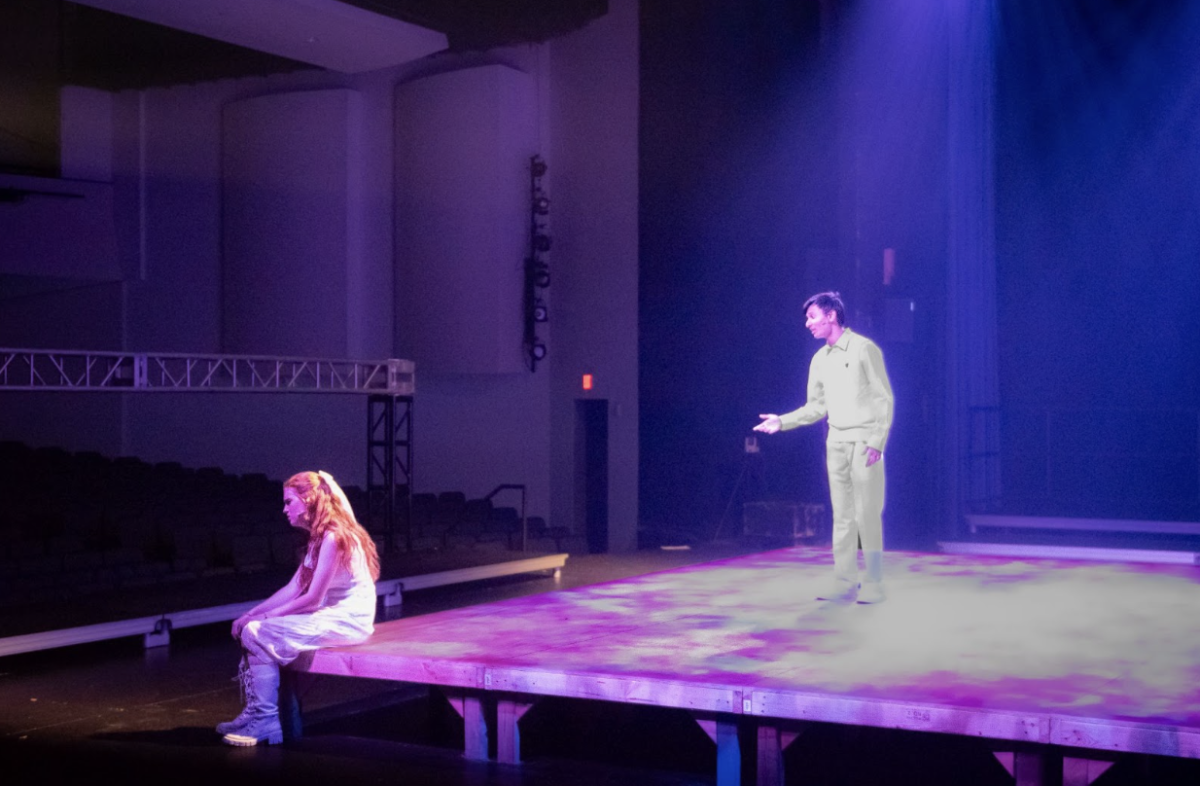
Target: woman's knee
{"points": [[249, 637]]}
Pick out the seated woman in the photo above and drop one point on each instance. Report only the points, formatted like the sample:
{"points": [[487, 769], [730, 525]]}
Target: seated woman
{"points": [[329, 602]]}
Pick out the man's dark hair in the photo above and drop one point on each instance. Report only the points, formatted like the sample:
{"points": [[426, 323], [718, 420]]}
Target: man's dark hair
{"points": [[828, 301]]}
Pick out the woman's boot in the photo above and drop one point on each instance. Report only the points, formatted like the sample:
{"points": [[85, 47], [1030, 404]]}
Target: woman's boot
{"points": [[263, 707], [243, 718]]}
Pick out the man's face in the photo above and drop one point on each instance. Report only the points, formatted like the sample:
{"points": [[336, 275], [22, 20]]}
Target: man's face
{"points": [[820, 323]]}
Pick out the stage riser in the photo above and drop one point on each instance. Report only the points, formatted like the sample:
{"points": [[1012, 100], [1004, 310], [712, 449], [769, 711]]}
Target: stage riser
{"points": [[1041, 654]]}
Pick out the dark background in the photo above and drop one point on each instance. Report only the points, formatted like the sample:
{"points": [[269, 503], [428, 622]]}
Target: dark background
{"points": [[785, 144]]}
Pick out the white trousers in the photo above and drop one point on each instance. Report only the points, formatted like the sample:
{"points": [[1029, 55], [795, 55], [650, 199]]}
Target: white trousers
{"points": [[856, 494]]}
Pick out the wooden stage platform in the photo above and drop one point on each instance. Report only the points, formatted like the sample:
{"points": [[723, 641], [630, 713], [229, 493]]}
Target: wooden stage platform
{"points": [[1054, 660]]}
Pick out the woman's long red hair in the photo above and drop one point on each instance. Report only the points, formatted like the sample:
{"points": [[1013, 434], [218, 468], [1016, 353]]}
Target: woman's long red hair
{"points": [[329, 512]]}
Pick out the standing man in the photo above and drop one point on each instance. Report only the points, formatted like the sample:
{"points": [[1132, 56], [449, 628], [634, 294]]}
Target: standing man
{"points": [[848, 383]]}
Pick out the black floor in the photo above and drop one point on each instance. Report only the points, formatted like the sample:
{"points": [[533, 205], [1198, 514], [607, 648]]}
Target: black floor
{"points": [[115, 713]]}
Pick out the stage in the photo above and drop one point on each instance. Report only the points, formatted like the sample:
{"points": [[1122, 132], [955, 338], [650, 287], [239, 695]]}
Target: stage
{"points": [[1047, 658]]}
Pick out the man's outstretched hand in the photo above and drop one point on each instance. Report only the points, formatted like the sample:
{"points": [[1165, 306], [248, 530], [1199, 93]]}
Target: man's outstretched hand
{"points": [[770, 424]]}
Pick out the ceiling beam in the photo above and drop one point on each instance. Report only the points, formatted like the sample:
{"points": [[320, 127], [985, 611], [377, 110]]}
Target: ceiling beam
{"points": [[324, 33]]}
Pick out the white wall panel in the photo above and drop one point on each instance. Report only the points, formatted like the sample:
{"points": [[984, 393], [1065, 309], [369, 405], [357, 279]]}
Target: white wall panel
{"points": [[463, 142]]}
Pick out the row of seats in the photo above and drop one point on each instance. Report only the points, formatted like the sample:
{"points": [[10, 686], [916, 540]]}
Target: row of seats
{"points": [[80, 523], [450, 519]]}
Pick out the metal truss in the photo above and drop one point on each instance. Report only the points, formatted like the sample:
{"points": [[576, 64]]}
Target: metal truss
{"points": [[390, 465], [72, 370]]}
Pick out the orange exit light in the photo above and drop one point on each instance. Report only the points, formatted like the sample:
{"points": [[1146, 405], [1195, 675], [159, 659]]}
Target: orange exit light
{"points": [[587, 381]]}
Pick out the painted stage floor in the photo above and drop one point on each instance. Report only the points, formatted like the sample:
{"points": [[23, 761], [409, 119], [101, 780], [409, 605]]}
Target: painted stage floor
{"points": [[1085, 655]]}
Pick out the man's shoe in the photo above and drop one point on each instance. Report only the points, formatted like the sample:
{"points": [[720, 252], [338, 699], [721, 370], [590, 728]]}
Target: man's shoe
{"points": [[871, 592], [840, 591], [872, 586]]}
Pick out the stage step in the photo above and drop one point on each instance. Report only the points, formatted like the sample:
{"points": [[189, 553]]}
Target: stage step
{"points": [[1048, 551], [977, 522]]}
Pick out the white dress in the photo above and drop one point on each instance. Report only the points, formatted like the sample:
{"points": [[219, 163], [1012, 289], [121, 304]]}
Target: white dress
{"points": [[346, 616]]}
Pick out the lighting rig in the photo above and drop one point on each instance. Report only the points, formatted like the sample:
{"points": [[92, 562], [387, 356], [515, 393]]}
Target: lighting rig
{"points": [[537, 272]]}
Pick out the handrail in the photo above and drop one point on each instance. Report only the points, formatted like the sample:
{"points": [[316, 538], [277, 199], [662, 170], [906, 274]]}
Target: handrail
{"points": [[524, 523]]}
